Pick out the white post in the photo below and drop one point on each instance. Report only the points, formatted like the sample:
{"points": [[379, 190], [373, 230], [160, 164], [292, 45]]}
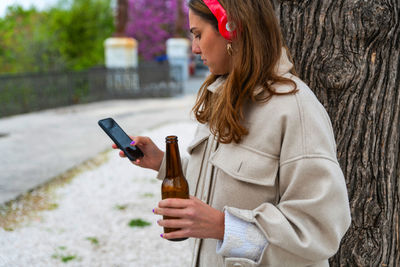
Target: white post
{"points": [[122, 53], [178, 53]]}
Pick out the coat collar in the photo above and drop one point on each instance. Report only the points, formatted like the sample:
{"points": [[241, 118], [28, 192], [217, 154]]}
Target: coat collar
{"points": [[215, 85], [283, 67]]}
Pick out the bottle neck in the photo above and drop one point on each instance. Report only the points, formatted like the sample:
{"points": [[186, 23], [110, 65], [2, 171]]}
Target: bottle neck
{"points": [[173, 159]]}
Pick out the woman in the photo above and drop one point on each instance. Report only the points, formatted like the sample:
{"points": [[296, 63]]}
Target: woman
{"points": [[266, 184]]}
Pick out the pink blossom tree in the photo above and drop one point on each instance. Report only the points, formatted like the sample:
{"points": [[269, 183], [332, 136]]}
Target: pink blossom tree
{"points": [[152, 22]]}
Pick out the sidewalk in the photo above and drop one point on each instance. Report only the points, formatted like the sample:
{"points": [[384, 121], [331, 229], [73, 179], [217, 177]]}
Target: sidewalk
{"points": [[91, 220], [102, 215], [37, 147]]}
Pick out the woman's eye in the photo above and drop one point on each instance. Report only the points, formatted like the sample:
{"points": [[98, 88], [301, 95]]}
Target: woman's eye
{"points": [[197, 36]]}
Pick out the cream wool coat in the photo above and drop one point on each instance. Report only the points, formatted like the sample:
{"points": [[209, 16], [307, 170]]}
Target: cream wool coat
{"points": [[284, 177]]}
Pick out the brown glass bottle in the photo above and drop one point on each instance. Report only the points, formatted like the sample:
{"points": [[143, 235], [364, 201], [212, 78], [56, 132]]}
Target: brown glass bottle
{"points": [[174, 184]]}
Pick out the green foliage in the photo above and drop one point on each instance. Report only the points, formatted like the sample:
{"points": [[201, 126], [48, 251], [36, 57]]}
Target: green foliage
{"points": [[60, 254], [53, 206], [68, 258], [68, 36], [138, 223], [81, 31], [17, 39], [121, 207], [93, 240]]}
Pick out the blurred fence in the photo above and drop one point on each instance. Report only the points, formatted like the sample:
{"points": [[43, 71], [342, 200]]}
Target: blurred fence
{"points": [[20, 93]]}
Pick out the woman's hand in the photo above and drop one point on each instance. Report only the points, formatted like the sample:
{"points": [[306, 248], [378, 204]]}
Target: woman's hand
{"points": [[195, 218], [152, 154]]}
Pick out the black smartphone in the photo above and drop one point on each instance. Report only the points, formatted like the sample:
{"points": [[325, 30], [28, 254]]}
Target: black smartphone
{"points": [[120, 138]]}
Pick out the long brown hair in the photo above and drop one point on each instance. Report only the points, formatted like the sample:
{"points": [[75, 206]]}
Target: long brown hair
{"points": [[257, 50]]}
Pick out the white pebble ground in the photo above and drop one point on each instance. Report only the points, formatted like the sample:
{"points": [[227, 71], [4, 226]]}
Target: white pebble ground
{"points": [[89, 226]]}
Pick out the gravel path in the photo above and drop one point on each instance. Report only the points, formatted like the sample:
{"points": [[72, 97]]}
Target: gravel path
{"points": [[86, 222]]}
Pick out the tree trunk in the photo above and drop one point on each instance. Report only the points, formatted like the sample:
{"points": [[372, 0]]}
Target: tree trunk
{"points": [[348, 52], [180, 29]]}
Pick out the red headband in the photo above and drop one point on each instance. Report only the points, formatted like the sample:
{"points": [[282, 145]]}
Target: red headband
{"points": [[224, 27]]}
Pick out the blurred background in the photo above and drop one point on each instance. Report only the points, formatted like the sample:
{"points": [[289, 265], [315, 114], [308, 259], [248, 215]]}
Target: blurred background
{"points": [[41, 36], [55, 53], [66, 64], [65, 196]]}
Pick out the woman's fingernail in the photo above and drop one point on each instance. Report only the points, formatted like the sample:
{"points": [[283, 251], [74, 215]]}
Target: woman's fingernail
{"points": [[153, 210], [132, 143], [162, 235]]}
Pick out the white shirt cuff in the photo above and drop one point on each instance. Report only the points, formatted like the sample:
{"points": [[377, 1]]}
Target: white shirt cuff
{"points": [[241, 239]]}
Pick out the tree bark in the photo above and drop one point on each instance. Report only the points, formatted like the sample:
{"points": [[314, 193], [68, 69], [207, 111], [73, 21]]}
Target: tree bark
{"points": [[180, 30], [348, 52], [121, 18]]}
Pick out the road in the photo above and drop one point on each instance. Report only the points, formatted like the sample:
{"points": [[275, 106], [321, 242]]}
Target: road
{"points": [[39, 146]]}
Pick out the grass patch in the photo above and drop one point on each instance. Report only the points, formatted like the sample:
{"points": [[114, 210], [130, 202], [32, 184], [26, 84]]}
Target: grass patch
{"points": [[138, 223], [68, 258], [53, 206], [62, 256], [121, 207], [42, 198], [93, 240], [148, 195]]}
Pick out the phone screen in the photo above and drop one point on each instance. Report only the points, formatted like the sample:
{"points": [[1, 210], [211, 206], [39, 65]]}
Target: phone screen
{"points": [[118, 133], [120, 138]]}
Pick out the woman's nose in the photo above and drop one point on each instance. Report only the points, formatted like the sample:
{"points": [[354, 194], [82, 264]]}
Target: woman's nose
{"points": [[195, 48]]}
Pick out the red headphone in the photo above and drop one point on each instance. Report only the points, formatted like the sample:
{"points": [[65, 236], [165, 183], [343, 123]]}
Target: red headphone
{"points": [[226, 29]]}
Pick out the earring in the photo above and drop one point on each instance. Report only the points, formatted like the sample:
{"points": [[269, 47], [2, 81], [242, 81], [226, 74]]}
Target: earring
{"points": [[229, 49]]}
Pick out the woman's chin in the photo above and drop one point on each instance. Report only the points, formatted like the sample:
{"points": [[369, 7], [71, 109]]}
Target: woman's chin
{"points": [[216, 72]]}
